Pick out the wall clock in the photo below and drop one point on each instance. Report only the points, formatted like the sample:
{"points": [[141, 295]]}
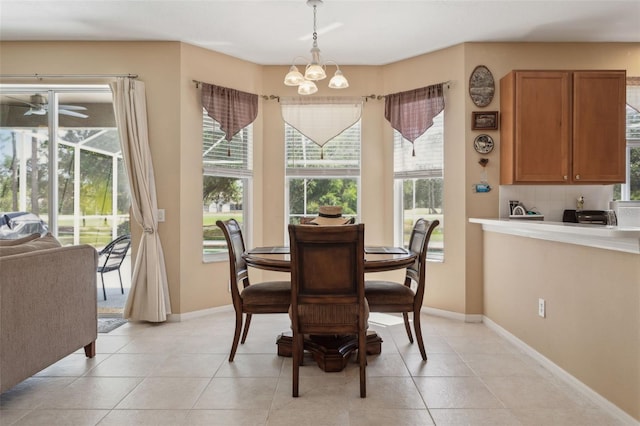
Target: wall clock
{"points": [[483, 144], [481, 86]]}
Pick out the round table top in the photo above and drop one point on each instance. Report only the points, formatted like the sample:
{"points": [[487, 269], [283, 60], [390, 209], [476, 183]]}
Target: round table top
{"points": [[377, 258]]}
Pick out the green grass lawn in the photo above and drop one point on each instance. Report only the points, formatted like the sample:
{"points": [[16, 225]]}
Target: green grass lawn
{"points": [[95, 231]]}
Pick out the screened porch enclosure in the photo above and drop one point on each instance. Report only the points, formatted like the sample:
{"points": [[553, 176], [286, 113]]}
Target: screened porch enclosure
{"points": [[60, 158]]}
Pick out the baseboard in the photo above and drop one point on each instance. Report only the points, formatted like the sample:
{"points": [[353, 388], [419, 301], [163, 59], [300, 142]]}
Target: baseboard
{"points": [[198, 314], [563, 375], [472, 318], [452, 315]]}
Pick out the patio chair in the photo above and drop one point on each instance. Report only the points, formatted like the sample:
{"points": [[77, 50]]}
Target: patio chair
{"points": [[111, 258]]}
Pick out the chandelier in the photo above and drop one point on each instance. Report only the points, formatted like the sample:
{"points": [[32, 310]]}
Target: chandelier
{"points": [[315, 69]]}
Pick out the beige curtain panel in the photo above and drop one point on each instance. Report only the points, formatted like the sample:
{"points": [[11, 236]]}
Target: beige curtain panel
{"points": [[321, 118], [149, 295]]}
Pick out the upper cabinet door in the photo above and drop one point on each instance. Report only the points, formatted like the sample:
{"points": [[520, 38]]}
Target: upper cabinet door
{"points": [[535, 134], [562, 127], [599, 144]]}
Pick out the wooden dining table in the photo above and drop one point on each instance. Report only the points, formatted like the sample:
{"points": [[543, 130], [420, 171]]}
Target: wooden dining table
{"points": [[377, 258], [331, 353]]}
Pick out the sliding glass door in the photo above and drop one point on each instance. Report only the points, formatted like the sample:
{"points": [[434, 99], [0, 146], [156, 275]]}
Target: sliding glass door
{"points": [[60, 159]]}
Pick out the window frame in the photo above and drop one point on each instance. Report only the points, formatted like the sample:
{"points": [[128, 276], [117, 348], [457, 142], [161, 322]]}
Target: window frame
{"points": [[292, 173], [243, 174], [398, 190], [625, 188], [631, 143]]}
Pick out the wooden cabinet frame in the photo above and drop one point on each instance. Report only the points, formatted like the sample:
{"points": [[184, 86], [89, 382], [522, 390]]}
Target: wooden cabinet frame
{"points": [[562, 127]]}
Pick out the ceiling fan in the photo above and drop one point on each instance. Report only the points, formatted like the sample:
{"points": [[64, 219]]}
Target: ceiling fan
{"points": [[40, 106]]}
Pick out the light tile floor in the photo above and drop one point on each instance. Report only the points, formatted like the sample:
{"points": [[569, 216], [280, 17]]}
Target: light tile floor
{"points": [[178, 374]]}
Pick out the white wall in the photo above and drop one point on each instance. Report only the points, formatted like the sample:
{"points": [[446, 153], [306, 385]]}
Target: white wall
{"points": [[552, 200]]}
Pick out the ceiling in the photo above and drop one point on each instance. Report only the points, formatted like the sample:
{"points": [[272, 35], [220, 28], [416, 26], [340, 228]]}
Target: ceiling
{"points": [[350, 32]]}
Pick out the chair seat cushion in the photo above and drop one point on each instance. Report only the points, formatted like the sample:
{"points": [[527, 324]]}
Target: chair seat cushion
{"points": [[387, 293], [268, 293], [330, 315]]}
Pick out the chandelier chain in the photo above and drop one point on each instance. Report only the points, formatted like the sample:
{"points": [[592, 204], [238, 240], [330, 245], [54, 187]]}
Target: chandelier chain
{"points": [[315, 33]]}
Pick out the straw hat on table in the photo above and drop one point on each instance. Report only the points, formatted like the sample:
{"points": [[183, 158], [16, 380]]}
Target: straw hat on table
{"points": [[330, 215]]}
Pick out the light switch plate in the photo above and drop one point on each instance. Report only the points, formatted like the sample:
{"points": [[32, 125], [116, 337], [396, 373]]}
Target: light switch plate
{"points": [[160, 215], [542, 308]]}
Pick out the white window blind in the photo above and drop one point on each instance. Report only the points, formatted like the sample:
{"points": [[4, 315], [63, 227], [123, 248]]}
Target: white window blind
{"points": [[221, 157], [428, 161], [633, 125]]}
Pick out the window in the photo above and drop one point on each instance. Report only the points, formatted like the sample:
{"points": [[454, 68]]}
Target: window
{"points": [[322, 176], [419, 185], [69, 169], [226, 184], [630, 190]]}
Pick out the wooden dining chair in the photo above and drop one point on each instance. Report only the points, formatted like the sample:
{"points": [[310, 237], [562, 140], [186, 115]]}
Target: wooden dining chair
{"points": [[327, 288], [271, 297], [389, 296]]}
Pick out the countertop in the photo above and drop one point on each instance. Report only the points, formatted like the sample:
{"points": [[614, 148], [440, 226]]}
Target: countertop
{"points": [[626, 239]]}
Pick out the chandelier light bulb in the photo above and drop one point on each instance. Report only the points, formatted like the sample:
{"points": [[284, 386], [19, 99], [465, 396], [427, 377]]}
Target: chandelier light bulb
{"points": [[307, 87], [338, 81], [314, 72], [293, 77]]}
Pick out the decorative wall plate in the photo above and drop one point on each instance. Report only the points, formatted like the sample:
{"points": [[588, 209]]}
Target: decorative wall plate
{"points": [[481, 86], [483, 144]]}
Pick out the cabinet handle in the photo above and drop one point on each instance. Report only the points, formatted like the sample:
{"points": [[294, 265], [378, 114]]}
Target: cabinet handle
{"points": [[577, 177], [565, 177]]}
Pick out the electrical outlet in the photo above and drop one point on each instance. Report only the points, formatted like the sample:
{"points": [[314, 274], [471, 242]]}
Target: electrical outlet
{"points": [[160, 215], [542, 308]]}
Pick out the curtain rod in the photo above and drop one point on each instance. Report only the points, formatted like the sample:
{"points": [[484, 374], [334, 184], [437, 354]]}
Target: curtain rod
{"points": [[43, 76], [379, 97], [366, 97], [276, 97], [265, 97]]}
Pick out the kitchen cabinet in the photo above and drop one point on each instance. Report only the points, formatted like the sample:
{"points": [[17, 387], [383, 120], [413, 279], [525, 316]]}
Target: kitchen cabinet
{"points": [[562, 127]]}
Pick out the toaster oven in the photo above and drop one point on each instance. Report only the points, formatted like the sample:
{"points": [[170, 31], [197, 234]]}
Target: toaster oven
{"points": [[592, 217]]}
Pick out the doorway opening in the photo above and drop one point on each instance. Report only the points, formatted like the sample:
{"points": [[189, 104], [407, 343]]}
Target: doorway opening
{"points": [[61, 159]]}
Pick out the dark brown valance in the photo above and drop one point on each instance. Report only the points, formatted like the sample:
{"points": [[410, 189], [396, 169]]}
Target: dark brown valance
{"points": [[411, 113], [232, 109]]}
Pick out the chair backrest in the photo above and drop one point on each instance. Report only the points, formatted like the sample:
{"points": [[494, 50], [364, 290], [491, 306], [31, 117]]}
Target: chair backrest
{"points": [[307, 220], [419, 243], [115, 252], [327, 277], [237, 266]]}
